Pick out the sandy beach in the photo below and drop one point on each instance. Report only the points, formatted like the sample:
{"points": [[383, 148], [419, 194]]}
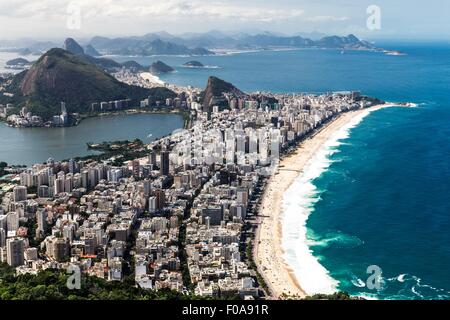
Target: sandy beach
{"points": [[151, 78], [268, 251]]}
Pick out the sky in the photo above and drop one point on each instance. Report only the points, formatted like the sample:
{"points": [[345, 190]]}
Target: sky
{"points": [[388, 19]]}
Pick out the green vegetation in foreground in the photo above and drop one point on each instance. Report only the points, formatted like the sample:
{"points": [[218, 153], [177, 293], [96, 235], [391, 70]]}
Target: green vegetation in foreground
{"points": [[334, 296], [52, 285]]}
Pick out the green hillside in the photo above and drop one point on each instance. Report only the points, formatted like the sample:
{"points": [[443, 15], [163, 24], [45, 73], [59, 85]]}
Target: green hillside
{"points": [[62, 76]]}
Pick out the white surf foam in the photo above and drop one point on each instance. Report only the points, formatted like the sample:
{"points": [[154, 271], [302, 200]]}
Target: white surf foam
{"points": [[401, 278], [298, 203], [357, 282], [202, 67], [335, 239], [367, 296]]}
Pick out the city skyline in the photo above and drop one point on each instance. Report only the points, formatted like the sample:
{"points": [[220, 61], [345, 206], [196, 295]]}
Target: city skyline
{"points": [[49, 19], [224, 155]]}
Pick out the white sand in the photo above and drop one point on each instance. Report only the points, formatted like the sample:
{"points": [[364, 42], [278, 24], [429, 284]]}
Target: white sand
{"points": [[268, 251], [151, 78]]}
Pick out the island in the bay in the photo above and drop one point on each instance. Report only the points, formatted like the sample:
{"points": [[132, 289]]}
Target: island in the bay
{"points": [[193, 64], [17, 63], [160, 67], [193, 214]]}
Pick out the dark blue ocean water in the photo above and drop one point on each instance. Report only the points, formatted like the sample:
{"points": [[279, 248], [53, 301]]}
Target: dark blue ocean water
{"points": [[385, 199]]}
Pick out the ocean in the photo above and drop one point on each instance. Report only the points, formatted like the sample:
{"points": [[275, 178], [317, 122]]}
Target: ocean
{"points": [[6, 56], [377, 193]]}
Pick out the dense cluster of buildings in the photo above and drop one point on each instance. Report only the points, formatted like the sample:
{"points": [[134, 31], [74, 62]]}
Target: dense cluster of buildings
{"points": [[174, 219], [6, 110], [110, 105], [184, 98], [139, 79], [26, 118]]}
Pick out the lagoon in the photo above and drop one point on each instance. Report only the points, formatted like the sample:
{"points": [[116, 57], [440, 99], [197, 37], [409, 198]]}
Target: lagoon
{"points": [[33, 145]]}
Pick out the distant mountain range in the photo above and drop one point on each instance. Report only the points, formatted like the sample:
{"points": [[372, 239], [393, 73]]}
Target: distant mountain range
{"points": [[163, 43], [144, 46], [89, 53]]}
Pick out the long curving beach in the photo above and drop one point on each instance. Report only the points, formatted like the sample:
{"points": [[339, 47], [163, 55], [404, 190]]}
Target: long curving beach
{"points": [[268, 251]]}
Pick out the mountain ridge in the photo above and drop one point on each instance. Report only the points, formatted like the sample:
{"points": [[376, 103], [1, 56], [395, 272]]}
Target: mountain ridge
{"points": [[216, 91], [143, 45], [61, 76], [195, 43]]}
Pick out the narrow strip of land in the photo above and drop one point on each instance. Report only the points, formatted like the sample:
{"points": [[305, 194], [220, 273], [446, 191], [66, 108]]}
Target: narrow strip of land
{"points": [[268, 250]]}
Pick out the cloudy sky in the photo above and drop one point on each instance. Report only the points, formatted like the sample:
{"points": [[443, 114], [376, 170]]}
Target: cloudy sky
{"points": [[52, 19]]}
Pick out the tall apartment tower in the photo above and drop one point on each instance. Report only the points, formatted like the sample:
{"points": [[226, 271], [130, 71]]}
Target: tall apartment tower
{"points": [[152, 158], [136, 168], [164, 169], [19, 193], [160, 199], [15, 248]]}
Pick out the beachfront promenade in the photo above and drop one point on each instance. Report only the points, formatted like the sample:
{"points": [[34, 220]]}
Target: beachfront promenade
{"points": [[269, 252]]}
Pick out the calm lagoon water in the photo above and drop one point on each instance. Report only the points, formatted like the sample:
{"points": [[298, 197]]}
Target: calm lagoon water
{"points": [[34, 145]]}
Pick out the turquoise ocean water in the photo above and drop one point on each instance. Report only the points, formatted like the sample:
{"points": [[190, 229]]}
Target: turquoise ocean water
{"points": [[379, 193]]}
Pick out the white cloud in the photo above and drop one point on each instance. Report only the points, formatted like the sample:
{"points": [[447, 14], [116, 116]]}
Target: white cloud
{"points": [[104, 9], [326, 19], [26, 9]]}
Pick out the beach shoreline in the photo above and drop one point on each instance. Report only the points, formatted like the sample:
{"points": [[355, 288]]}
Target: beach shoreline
{"points": [[268, 250], [151, 78]]}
